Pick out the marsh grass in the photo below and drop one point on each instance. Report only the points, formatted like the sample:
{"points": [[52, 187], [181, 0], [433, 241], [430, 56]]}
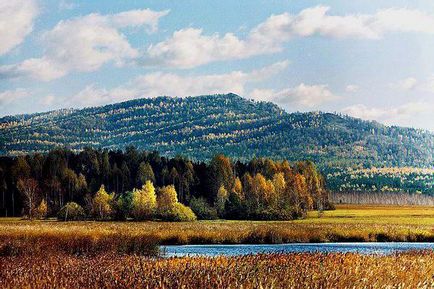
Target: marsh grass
{"points": [[78, 244], [346, 224], [295, 270]]}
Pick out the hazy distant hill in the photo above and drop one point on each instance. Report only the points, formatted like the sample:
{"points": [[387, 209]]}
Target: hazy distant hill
{"points": [[200, 127]]}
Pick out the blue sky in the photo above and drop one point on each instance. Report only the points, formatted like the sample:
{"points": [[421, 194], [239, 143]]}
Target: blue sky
{"points": [[368, 59]]}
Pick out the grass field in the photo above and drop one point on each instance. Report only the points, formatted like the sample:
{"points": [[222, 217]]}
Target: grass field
{"points": [[47, 254], [301, 270], [373, 214], [346, 223]]}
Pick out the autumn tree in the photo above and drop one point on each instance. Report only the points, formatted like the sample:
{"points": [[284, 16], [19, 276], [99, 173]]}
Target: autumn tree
{"points": [[42, 210], [238, 188], [279, 184], [166, 199], [30, 190], [170, 209], [102, 204], [222, 197], [304, 199], [221, 174], [144, 201]]}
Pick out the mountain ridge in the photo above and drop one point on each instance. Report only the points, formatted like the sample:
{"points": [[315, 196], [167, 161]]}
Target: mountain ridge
{"points": [[201, 126]]}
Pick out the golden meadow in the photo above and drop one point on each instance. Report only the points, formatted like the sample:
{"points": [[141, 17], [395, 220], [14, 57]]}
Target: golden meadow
{"points": [[38, 254], [300, 270], [346, 223]]}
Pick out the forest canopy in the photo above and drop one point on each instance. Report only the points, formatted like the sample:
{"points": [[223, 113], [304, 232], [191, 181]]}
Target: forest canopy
{"points": [[141, 185]]}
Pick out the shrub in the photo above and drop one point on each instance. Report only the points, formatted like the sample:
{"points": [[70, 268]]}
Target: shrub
{"points": [[234, 208], [202, 209], [179, 213], [271, 214], [123, 206], [71, 212]]}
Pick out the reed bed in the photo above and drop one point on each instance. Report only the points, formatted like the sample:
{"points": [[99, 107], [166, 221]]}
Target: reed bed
{"points": [[214, 232], [296, 270], [348, 223]]}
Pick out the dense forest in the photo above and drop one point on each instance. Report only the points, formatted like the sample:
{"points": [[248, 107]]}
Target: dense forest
{"points": [[382, 180], [137, 184], [201, 127], [382, 198]]}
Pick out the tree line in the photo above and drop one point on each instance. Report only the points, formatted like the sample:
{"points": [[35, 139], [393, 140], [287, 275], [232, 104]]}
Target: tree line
{"points": [[105, 184], [382, 198]]}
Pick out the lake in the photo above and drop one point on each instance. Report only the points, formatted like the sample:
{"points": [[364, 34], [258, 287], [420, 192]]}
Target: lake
{"points": [[235, 250]]}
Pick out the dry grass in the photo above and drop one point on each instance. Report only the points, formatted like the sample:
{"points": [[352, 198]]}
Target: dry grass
{"points": [[47, 254], [347, 223], [300, 270]]}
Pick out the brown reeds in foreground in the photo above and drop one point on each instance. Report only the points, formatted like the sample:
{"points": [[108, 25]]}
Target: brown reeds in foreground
{"points": [[298, 270]]}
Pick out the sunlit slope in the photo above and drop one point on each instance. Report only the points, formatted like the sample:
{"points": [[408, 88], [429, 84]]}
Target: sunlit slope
{"points": [[200, 127]]}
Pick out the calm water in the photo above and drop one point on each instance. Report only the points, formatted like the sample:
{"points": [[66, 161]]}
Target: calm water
{"points": [[234, 250]]}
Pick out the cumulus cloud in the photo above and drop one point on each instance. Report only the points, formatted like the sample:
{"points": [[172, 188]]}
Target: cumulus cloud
{"points": [[85, 44], [301, 96], [171, 84], [351, 88], [420, 85], [405, 84], [190, 47], [9, 96], [48, 100], [16, 22], [400, 115], [66, 5], [428, 85]]}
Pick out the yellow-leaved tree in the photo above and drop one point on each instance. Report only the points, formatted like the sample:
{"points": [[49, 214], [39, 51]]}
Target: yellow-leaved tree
{"points": [[42, 210], [222, 197], [170, 209], [102, 204], [144, 202], [167, 198]]}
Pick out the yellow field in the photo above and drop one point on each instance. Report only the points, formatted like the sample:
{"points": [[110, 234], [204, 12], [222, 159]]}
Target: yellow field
{"points": [[357, 214], [47, 254], [298, 270], [346, 223]]}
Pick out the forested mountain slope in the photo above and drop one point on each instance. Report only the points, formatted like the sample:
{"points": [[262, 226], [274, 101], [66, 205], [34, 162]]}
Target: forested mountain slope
{"points": [[200, 127]]}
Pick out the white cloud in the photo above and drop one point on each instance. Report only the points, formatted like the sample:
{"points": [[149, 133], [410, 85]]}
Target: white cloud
{"points": [[85, 44], [66, 5], [301, 96], [188, 48], [411, 83], [48, 100], [405, 84], [100, 39], [351, 88], [16, 22], [428, 85], [405, 115], [9, 96], [171, 84]]}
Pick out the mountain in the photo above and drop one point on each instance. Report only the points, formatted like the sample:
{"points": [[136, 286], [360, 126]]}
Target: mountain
{"points": [[202, 126]]}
